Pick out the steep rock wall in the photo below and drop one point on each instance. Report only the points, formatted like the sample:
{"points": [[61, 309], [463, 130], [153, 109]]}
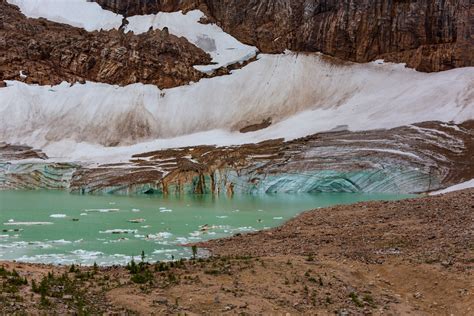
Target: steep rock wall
{"points": [[429, 35], [142, 7], [44, 52]]}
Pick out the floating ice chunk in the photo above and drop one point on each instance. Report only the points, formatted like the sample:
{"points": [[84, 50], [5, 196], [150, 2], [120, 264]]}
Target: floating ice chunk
{"points": [[246, 228], [87, 255], [195, 234], [160, 251], [119, 231], [61, 241], [117, 240], [182, 240], [160, 235], [102, 210], [137, 220], [27, 223]]}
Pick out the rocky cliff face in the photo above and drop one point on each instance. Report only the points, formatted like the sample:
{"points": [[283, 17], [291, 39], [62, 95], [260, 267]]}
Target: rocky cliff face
{"points": [[429, 35], [141, 7], [44, 52]]}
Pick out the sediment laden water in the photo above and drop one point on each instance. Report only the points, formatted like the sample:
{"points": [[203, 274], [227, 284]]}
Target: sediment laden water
{"points": [[62, 228]]}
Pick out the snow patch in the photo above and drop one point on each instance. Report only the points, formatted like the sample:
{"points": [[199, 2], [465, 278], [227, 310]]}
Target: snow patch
{"points": [[458, 187]]}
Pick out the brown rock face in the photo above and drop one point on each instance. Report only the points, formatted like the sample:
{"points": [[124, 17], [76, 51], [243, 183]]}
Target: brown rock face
{"points": [[429, 35], [44, 52], [141, 7]]}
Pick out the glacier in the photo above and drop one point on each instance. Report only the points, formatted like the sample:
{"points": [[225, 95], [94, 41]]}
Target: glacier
{"points": [[83, 127]]}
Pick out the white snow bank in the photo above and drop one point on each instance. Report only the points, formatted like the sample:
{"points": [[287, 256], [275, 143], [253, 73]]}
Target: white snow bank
{"points": [[461, 186], [301, 93], [223, 48], [79, 13]]}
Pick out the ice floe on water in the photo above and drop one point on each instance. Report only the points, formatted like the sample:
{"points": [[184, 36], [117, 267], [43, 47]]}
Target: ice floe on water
{"points": [[137, 220], [161, 251], [26, 223], [159, 236], [61, 241], [102, 210], [118, 231]]}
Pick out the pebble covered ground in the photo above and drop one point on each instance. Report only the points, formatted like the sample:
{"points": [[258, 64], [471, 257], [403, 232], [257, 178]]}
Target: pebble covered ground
{"points": [[406, 257]]}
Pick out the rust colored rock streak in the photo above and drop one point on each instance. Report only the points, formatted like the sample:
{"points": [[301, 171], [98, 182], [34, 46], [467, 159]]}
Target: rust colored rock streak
{"points": [[429, 35], [49, 53]]}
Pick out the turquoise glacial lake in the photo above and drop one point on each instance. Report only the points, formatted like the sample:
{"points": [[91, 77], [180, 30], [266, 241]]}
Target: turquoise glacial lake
{"points": [[62, 228]]}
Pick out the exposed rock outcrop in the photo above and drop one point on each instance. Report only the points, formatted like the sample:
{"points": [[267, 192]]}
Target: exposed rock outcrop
{"points": [[18, 152], [44, 52], [429, 35], [142, 7]]}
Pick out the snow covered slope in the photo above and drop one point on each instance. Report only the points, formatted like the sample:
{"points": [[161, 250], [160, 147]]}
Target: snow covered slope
{"points": [[79, 13], [458, 187], [303, 94], [223, 48]]}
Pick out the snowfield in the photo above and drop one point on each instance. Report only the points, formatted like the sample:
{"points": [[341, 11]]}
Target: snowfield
{"points": [[302, 94], [224, 49]]}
